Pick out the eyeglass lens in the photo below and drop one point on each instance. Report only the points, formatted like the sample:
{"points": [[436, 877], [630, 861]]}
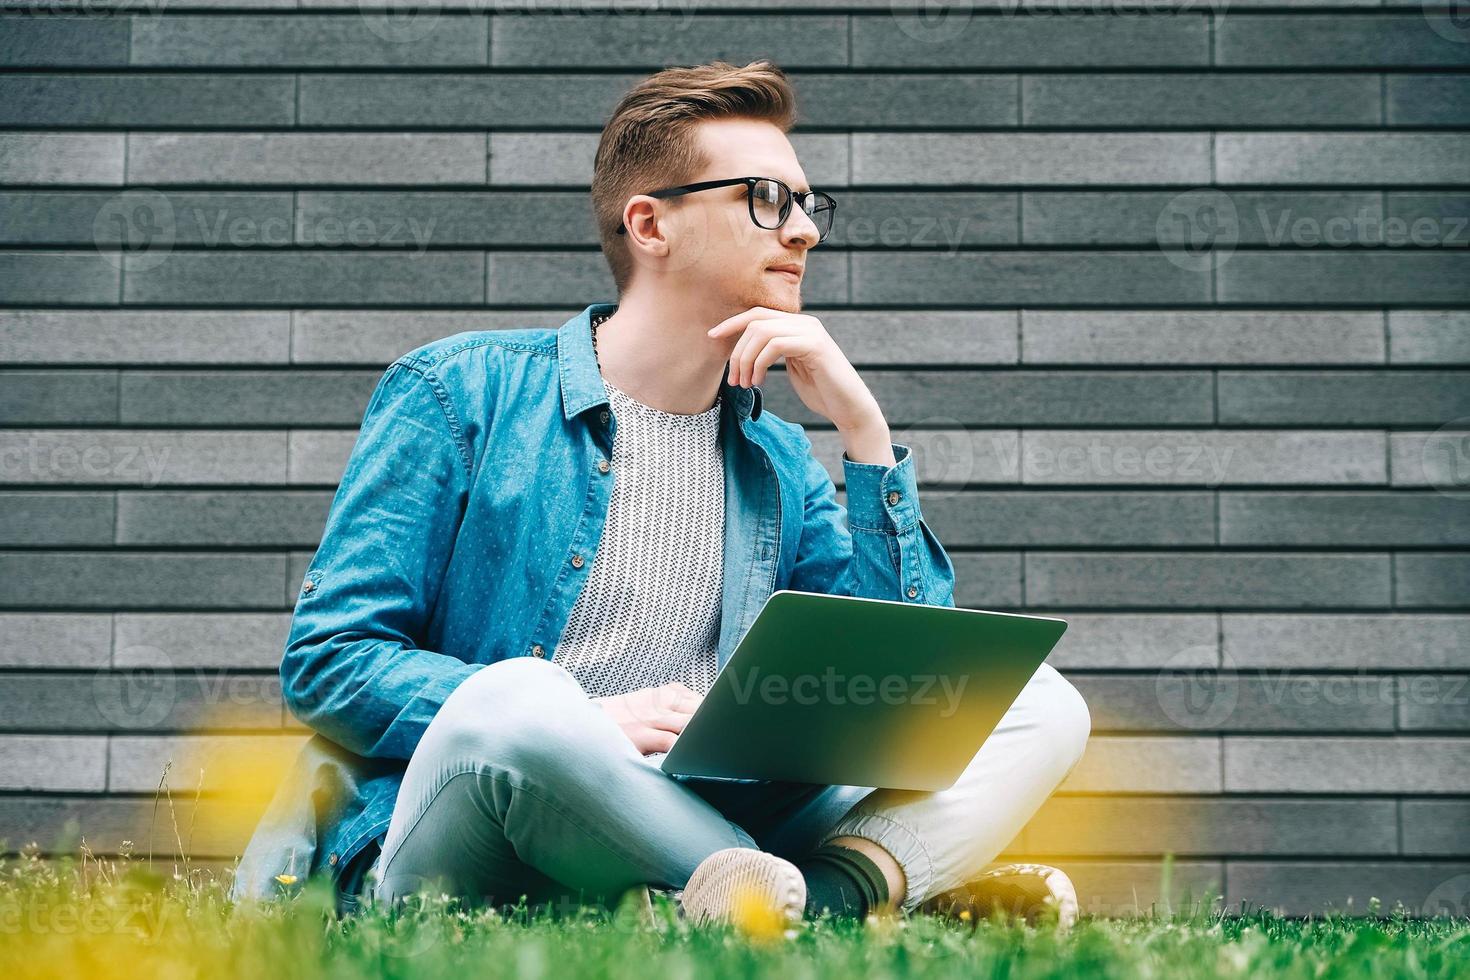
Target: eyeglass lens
{"points": [[771, 201]]}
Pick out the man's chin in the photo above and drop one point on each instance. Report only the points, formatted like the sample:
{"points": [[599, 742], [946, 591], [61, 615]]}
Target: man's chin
{"points": [[785, 299]]}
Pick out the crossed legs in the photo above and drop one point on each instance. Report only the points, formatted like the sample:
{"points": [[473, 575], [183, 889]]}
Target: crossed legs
{"points": [[522, 785]]}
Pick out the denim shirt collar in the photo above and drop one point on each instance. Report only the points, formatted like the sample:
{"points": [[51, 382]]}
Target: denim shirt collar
{"points": [[581, 379]]}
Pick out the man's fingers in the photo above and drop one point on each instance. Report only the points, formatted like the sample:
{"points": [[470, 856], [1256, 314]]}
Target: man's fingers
{"points": [[656, 740], [667, 707], [735, 355], [739, 320], [680, 689], [774, 349], [675, 696], [684, 700], [671, 721]]}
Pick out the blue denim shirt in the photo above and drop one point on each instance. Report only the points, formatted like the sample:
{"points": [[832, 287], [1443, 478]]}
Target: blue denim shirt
{"points": [[450, 543]]}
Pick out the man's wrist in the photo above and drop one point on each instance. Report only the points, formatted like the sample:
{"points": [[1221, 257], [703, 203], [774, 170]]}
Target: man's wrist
{"points": [[870, 443]]}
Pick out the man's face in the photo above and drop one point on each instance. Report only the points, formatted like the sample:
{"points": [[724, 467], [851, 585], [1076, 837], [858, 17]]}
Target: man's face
{"points": [[713, 246]]}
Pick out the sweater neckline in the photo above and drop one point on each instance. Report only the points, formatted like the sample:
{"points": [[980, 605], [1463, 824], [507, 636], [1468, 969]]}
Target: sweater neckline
{"points": [[618, 394]]}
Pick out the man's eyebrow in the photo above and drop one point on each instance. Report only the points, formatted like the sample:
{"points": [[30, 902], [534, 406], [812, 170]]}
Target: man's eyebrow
{"points": [[800, 190]]}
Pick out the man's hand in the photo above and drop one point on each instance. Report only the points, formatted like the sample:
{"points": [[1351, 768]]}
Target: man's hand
{"points": [[652, 716], [820, 373]]}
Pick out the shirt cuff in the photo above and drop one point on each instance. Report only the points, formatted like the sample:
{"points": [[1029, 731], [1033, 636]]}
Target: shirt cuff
{"points": [[882, 498]]}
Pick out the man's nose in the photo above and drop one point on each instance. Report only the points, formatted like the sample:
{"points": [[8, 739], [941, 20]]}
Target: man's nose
{"points": [[800, 229]]}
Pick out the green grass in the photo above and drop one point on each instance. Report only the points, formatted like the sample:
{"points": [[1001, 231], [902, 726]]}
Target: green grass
{"points": [[118, 918]]}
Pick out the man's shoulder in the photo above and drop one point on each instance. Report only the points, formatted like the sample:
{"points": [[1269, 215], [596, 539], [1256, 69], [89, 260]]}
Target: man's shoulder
{"points": [[478, 347], [474, 370]]}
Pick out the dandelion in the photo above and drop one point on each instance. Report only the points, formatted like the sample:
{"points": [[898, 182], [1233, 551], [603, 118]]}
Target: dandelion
{"points": [[286, 879]]}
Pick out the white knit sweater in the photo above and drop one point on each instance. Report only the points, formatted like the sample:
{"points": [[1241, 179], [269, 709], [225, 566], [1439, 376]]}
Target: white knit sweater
{"points": [[649, 612]]}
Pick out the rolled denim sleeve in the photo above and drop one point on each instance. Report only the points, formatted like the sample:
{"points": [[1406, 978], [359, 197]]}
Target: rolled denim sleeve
{"points": [[354, 669], [878, 546]]}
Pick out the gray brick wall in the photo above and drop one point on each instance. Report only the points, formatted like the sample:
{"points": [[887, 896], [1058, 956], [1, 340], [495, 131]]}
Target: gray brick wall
{"points": [[1172, 302]]}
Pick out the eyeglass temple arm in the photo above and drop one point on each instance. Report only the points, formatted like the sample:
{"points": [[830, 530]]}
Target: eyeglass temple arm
{"points": [[685, 188], [800, 196]]}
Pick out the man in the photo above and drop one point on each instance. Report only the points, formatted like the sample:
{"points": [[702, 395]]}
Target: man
{"points": [[546, 543]]}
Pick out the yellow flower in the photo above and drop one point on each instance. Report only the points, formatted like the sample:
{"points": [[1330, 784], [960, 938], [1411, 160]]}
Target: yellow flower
{"points": [[964, 915], [756, 917], [286, 879]]}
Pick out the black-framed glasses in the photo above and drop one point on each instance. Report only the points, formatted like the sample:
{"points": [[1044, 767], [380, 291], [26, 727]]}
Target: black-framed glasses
{"points": [[769, 201]]}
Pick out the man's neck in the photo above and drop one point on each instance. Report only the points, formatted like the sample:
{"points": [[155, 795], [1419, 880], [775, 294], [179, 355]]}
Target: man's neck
{"points": [[662, 356]]}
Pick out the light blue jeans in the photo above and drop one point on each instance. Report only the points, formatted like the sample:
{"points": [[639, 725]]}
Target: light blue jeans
{"points": [[522, 785]]}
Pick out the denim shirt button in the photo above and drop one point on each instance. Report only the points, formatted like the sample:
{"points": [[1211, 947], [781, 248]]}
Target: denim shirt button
{"points": [[577, 561], [913, 591], [604, 465], [538, 651], [333, 860], [603, 416], [308, 585], [892, 497]]}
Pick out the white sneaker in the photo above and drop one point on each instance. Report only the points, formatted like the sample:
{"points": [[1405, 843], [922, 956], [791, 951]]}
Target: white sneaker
{"points": [[1022, 891], [753, 890]]}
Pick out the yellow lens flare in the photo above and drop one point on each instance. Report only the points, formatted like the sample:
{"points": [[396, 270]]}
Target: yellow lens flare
{"points": [[756, 917], [211, 792]]}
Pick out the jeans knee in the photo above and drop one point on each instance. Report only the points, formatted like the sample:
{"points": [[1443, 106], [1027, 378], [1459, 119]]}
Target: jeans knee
{"points": [[1068, 720], [511, 707]]}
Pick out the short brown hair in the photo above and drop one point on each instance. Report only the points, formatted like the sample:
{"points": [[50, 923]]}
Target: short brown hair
{"points": [[648, 143]]}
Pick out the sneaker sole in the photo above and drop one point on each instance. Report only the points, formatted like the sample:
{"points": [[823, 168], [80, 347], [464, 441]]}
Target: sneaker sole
{"points": [[725, 876]]}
